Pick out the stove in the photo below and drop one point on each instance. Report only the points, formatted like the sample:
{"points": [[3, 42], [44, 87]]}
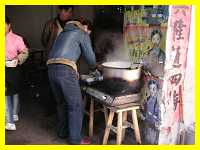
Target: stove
{"points": [[112, 92]]}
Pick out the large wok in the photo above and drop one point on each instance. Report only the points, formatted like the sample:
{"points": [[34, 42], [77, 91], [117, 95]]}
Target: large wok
{"points": [[121, 70]]}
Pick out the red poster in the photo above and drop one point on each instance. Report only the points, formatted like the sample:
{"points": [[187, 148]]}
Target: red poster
{"points": [[176, 57]]}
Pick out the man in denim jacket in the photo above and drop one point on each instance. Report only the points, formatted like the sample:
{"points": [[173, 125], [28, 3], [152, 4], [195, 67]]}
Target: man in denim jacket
{"points": [[62, 70]]}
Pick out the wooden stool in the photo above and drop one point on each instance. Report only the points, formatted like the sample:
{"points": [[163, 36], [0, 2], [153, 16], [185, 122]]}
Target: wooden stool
{"points": [[91, 112], [122, 122]]}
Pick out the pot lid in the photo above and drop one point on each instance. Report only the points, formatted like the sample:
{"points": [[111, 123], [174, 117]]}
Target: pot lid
{"points": [[121, 65], [117, 64]]}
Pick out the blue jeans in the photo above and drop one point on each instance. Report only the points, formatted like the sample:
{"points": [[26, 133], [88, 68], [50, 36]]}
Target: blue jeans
{"points": [[12, 107], [66, 89]]}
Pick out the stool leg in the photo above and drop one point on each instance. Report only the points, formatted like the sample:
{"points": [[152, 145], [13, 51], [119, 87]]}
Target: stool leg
{"points": [[119, 128], [136, 127], [91, 118], [105, 114], [124, 118], [108, 127]]}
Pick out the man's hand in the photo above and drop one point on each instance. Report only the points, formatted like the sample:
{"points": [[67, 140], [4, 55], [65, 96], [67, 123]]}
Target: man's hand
{"points": [[100, 67], [95, 73]]}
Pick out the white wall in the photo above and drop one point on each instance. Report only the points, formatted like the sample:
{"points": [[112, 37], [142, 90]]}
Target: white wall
{"points": [[85, 11], [28, 21]]}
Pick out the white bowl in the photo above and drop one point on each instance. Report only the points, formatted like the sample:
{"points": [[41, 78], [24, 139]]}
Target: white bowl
{"points": [[12, 63]]}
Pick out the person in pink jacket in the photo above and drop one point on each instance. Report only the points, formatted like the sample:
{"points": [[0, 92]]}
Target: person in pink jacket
{"points": [[16, 54]]}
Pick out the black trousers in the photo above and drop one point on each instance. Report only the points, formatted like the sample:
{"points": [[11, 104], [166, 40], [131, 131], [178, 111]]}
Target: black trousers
{"points": [[12, 80]]}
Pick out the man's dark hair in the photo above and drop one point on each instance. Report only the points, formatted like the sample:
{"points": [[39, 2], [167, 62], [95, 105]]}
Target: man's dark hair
{"points": [[66, 7], [84, 21], [7, 20], [87, 23]]}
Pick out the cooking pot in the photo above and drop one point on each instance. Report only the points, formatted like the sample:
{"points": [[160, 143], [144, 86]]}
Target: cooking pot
{"points": [[122, 70]]}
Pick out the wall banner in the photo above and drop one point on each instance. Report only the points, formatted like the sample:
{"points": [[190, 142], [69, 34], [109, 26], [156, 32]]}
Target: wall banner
{"points": [[176, 57]]}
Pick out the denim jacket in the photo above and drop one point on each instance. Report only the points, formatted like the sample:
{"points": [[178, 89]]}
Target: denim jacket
{"points": [[73, 42]]}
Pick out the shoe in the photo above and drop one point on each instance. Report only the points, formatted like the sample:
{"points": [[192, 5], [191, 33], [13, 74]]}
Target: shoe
{"points": [[85, 141], [16, 118], [10, 126]]}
